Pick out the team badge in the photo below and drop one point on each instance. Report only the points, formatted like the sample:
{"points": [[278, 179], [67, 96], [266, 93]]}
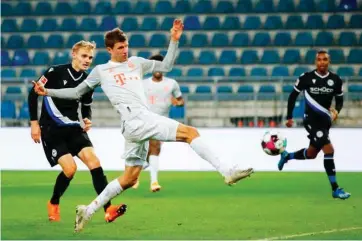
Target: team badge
{"points": [[330, 82], [54, 153]]}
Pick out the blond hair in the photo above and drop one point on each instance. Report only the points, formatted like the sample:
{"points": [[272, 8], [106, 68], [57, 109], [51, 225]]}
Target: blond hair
{"points": [[84, 44]]}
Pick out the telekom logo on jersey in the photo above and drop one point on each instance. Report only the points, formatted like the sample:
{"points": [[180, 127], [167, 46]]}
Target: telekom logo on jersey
{"points": [[121, 78]]}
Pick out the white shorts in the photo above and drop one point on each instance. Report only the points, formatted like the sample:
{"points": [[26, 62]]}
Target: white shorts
{"points": [[140, 129]]}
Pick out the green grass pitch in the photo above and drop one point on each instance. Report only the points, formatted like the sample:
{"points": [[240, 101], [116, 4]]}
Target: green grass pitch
{"points": [[191, 205]]}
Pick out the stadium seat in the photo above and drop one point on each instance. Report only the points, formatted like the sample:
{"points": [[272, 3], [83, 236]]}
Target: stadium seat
{"points": [[360, 72], [184, 89], [28, 73], [360, 40], [142, 7], [281, 71], [8, 73], [220, 40], [304, 39], [177, 112], [314, 22], [203, 89], [267, 89], [266, 92], [355, 21], [62, 8], [162, 7], [129, 24], [43, 8], [246, 92], [48, 25], [236, 71], [259, 71], [13, 90], [9, 25], [244, 6], [310, 56], [355, 88], [207, 57], [61, 57], [240, 39], [287, 88], [182, 6], [306, 6], [231, 22], [252, 23], [204, 6], [199, 40], [3, 42], [185, 57], [291, 56], [336, 56], [285, 6], [195, 72], [29, 25], [13, 93], [249, 57], [108, 23], [88, 24], [81, 8], [122, 7], [137, 40], [68, 24], [211, 23], [345, 71], [192, 23], [228, 57], [103, 7], [101, 57], [158, 40], [224, 89], [36, 42], [326, 6], [347, 39], [98, 39], [6, 9], [324, 39], [8, 110], [41, 58], [264, 6], [294, 22], [149, 24], [261, 39], [174, 73], [5, 58], [73, 38], [224, 7], [144, 54], [273, 22], [354, 56], [300, 70], [282, 39], [15, 42], [24, 111], [23, 9], [335, 21], [216, 71], [270, 57], [167, 23]]}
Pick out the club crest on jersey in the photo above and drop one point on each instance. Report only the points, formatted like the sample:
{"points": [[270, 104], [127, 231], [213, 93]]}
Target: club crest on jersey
{"points": [[54, 153], [330, 82], [314, 80], [131, 65], [43, 80]]}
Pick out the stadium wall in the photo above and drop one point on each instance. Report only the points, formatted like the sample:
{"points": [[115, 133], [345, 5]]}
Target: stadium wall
{"points": [[237, 146]]}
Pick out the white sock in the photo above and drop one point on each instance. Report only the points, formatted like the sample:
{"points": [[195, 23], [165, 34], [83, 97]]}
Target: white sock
{"points": [[112, 189], [153, 160], [205, 152]]}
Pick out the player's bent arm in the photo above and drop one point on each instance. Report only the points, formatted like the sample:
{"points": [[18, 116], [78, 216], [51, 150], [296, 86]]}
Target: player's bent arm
{"points": [[70, 93], [339, 103], [180, 101], [167, 63], [291, 103], [33, 106]]}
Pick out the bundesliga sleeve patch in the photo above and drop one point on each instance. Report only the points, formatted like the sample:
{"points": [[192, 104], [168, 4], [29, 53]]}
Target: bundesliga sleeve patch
{"points": [[43, 80]]}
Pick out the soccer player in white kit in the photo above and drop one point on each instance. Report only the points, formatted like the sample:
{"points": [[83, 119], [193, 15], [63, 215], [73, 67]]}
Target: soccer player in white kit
{"points": [[121, 80]]}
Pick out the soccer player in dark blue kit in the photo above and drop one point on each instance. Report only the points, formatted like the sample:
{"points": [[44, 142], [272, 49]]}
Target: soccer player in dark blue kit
{"points": [[320, 86]]}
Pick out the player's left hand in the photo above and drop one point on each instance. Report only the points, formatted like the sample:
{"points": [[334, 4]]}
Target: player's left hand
{"points": [[87, 124], [174, 101], [177, 29], [39, 88], [334, 114]]}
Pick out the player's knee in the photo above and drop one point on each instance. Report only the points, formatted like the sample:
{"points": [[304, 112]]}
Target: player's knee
{"points": [[70, 170], [311, 153], [90, 159], [192, 133], [155, 148]]}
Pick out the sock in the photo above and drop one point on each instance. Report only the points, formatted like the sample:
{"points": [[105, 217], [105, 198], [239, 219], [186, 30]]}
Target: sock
{"points": [[99, 182], [153, 160], [61, 184], [111, 190], [298, 155], [205, 152], [330, 170]]}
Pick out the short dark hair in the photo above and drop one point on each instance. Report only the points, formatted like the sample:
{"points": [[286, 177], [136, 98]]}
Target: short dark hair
{"points": [[114, 36], [158, 57], [322, 51]]}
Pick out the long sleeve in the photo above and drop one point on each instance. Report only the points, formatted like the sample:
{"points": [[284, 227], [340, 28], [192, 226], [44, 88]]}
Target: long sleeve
{"points": [[291, 103], [86, 102], [70, 93], [33, 105], [339, 103]]}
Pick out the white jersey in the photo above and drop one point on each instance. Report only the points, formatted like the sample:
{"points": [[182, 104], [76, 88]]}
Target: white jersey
{"points": [[159, 94]]}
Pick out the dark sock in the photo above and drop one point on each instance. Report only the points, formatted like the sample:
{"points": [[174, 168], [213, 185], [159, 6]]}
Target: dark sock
{"points": [[61, 184], [298, 155], [330, 170], [100, 182]]}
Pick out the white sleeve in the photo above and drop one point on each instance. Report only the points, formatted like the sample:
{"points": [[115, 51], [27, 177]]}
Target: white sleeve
{"points": [[94, 78], [176, 92], [147, 65]]}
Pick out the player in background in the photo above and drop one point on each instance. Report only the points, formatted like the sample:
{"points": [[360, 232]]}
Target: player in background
{"points": [[60, 132], [121, 80], [320, 86], [161, 92]]}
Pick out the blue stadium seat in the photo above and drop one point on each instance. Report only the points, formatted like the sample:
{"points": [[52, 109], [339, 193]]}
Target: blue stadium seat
{"points": [[224, 89], [23, 9], [270, 57], [264, 6], [43, 8], [287, 88], [246, 89], [8, 110], [36, 42], [240, 39], [220, 40], [304, 39], [224, 7], [285, 6], [310, 56], [355, 88], [273, 22], [211, 23], [81, 8], [216, 71], [244, 6], [336, 21], [8, 73], [142, 7], [355, 21], [6, 9], [280, 71], [237, 71], [314, 22], [167, 24], [73, 38], [5, 58], [129, 24], [199, 40], [177, 112], [163, 7], [252, 23], [326, 6], [294, 22], [345, 71], [122, 7], [306, 6], [108, 23], [195, 72], [192, 23], [101, 57], [347, 39], [158, 40], [300, 70], [68, 24], [62, 8], [182, 6], [88, 24], [29, 25], [259, 71], [291, 56], [204, 6], [249, 57], [3, 43], [98, 39], [360, 72], [48, 25], [337, 56], [24, 111], [150, 24], [61, 57], [13, 93], [261, 39], [267, 89], [174, 73], [137, 40], [266, 92], [354, 56], [15, 42], [355, 92], [360, 40], [203, 89], [13, 90], [144, 54], [9, 25], [184, 89], [103, 7], [231, 22], [41, 58], [324, 39], [186, 57], [28, 73], [228, 57], [282, 39], [207, 57]]}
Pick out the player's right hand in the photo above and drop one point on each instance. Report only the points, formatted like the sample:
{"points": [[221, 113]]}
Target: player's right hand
{"points": [[177, 29], [289, 123], [39, 88], [35, 131]]}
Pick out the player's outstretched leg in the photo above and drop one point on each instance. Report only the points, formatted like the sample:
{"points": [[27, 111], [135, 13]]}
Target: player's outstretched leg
{"points": [[302, 154], [153, 157]]}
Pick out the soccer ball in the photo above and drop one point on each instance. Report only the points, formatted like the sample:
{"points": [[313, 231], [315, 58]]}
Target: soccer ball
{"points": [[273, 143]]}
